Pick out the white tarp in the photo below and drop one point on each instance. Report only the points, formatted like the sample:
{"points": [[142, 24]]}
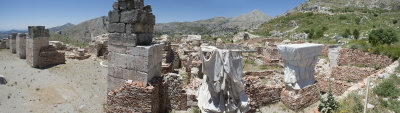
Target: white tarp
{"points": [[222, 90], [299, 60]]}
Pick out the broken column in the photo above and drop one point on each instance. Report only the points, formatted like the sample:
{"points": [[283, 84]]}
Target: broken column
{"points": [[13, 43], [299, 60], [133, 56], [21, 45], [222, 90]]}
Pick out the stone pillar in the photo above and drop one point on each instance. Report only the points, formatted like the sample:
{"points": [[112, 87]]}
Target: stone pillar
{"points": [[21, 45], [13, 43], [299, 60], [132, 55], [38, 38], [8, 42]]}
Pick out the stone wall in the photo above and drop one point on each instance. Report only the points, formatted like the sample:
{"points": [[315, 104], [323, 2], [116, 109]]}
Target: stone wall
{"points": [[325, 51], [176, 96], [354, 57], [133, 97], [13, 42], [38, 38], [21, 45], [261, 94], [132, 55], [50, 56], [302, 98], [351, 74]]}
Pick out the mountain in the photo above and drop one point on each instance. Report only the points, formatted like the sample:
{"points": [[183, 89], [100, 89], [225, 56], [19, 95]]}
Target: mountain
{"points": [[333, 18], [4, 34], [60, 28], [217, 26], [85, 30]]}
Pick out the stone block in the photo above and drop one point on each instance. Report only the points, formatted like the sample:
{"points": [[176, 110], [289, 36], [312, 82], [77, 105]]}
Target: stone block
{"points": [[116, 27], [299, 64], [139, 28], [134, 4], [38, 31], [147, 8], [114, 16], [122, 5], [118, 60], [123, 39], [13, 43], [117, 49], [115, 6], [114, 83], [130, 16], [144, 39]]}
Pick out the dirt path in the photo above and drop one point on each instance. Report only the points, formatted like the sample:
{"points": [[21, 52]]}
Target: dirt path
{"points": [[77, 86]]}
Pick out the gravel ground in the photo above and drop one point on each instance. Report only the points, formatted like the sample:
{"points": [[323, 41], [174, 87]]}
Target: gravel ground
{"points": [[77, 86]]}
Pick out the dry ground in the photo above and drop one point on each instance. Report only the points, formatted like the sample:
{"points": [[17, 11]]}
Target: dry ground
{"points": [[77, 86]]}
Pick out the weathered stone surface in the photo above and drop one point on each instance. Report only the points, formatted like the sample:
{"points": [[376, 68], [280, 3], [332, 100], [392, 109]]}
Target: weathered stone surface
{"points": [[116, 27], [114, 16], [350, 57], [8, 43], [299, 60], [130, 16], [13, 43], [21, 45], [123, 39], [176, 96], [144, 39], [3, 44], [50, 56], [303, 98]]}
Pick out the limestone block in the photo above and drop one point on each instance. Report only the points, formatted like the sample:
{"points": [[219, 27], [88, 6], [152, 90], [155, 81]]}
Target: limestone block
{"points": [[118, 60], [115, 6], [114, 83], [21, 45], [122, 5], [123, 39], [134, 4], [13, 42], [117, 49], [113, 16], [38, 39], [130, 16], [116, 27], [38, 31], [147, 8], [299, 61], [144, 39]]}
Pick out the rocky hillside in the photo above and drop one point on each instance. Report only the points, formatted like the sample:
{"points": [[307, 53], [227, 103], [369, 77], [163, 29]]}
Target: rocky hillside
{"points": [[333, 18], [60, 28], [85, 30], [4, 34], [214, 27]]}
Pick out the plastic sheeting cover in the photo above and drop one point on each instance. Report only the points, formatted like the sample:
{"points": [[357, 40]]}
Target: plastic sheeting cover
{"points": [[222, 90]]}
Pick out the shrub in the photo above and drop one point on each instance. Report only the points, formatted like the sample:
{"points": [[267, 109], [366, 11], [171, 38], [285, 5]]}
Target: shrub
{"points": [[382, 36], [346, 33], [328, 104], [394, 21], [358, 21], [342, 17], [386, 88], [356, 34]]}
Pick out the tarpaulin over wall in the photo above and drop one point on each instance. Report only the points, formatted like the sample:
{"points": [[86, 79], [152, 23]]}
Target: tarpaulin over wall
{"points": [[222, 89]]}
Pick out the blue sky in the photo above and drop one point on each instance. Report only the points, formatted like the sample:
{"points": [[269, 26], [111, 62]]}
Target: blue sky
{"points": [[18, 14]]}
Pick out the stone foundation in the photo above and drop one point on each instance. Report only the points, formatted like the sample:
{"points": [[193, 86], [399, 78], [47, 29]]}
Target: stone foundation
{"points": [[13, 43], [133, 97], [21, 46], [356, 57], [298, 99], [261, 94], [176, 96]]}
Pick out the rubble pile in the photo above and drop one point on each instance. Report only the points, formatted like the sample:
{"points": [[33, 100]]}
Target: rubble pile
{"points": [[351, 74], [99, 46], [176, 96], [338, 87], [58, 45], [355, 57], [50, 56], [78, 53]]}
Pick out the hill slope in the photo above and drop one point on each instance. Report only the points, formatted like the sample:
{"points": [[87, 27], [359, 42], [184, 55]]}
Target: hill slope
{"points": [[85, 30]]}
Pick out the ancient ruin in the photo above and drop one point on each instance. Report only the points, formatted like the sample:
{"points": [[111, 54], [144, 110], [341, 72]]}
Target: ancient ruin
{"points": [[21, 45], [299, 59], [3, 44], [13, 42], [38, 52], [222, 90]]}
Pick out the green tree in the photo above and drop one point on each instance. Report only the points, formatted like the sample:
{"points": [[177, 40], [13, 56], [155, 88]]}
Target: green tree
{"points": [[382, 36], [356, 34]]}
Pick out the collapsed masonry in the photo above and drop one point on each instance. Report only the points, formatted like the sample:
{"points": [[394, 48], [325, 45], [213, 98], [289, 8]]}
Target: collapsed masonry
{"points": [[13, 43], [38, 52], [133, 56], [21, 45], [222, 90], [299, 61], [99, 46]]}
